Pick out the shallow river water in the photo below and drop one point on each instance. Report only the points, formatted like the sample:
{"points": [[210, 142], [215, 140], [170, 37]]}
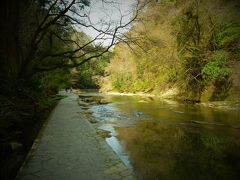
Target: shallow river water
{"points": [[163, 139]]}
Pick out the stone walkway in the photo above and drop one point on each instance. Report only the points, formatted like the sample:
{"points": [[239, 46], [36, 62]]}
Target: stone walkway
{"points": [[70, 149]]}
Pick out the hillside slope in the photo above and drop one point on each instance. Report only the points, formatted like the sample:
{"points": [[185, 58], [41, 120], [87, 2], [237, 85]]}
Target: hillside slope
{"points": [[187, 47]]}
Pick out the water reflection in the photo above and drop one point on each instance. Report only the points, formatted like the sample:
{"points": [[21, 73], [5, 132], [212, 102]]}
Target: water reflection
{"points": [[170, 140], [160, 151]]}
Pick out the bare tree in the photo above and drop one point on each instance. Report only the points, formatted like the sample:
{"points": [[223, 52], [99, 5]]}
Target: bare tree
{"points": [[63, 13]]}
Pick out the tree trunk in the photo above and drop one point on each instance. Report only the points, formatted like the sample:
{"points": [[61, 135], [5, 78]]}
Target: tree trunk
{"points": [[9, 50]]}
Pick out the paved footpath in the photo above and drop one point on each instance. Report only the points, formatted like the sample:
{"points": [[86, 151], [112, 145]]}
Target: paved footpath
{"points": [[70, 149]]}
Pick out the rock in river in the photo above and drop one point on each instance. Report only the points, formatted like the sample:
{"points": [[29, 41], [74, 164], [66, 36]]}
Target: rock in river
{"points": [[104, 133]]}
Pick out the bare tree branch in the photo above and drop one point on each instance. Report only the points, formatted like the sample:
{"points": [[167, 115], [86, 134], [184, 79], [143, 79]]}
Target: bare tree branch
{"points": [[81, 53]]}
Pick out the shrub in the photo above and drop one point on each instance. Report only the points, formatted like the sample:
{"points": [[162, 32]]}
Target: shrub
{"points": [[228, 35], [140, 85], [216, 68]]}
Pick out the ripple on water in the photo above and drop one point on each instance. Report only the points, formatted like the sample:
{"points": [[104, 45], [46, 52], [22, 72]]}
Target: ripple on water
{"points": [[107, 112]]}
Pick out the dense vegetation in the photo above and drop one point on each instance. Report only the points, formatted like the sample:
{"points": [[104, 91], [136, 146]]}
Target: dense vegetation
{"points": [[87, 76], [188, 48], [41, 48]]}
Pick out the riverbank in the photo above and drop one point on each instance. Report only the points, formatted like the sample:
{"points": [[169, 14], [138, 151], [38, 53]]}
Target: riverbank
{"points": [[70, 148], [172, 95]]}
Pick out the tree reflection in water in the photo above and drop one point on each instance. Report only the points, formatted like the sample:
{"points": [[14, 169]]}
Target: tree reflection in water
{"points": [[160, 151]]}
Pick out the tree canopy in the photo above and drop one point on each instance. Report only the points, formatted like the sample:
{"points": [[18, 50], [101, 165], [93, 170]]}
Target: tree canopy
{"points": [[42, 35]]}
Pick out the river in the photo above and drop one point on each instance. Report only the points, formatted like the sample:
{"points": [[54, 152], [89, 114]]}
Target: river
{"points": [[165, 139]]}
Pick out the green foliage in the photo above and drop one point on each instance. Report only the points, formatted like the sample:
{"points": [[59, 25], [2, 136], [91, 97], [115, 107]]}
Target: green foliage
{"points": [[126, 83], [228, 35], [118, 83], [172, 76], [46, 102], [140, 85], [122, 82], [216, 68], [49, 82], [88, 73]]}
